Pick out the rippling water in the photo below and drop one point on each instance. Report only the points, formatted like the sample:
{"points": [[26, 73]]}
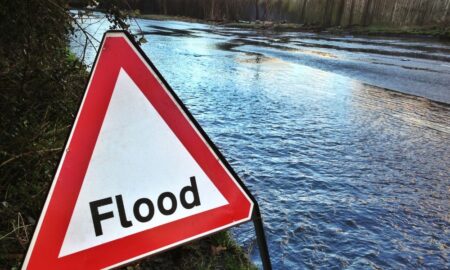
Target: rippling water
{"points": [[348, 175]]}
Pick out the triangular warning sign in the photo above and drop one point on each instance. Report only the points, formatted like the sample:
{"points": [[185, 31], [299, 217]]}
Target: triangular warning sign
{"points": [[138, 174]]}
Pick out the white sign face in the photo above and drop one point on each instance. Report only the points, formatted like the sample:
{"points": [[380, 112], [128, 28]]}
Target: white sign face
{"points": [[136, 156]]}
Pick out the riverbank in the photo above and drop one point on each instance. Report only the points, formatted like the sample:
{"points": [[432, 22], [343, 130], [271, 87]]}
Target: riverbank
{"points": [[435, 31], [411, 64], [406, 31]]}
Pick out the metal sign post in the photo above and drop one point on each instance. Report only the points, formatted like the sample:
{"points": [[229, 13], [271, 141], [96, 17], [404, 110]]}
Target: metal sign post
{"points": [[261, 238]]}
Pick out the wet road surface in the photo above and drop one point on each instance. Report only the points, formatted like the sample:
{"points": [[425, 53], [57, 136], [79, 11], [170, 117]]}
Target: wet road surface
{"points": [[348, 174]]}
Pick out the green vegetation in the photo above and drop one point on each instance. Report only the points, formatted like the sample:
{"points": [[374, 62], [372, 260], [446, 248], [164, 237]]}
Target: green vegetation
{"points": [[370, 17], [441, 32], [41, 84], [323, 13], [160, 17], [216, 252], [435, 31]]}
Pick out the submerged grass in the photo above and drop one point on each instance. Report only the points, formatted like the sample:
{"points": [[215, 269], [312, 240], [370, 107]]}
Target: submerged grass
{"points": [[442, 32]]}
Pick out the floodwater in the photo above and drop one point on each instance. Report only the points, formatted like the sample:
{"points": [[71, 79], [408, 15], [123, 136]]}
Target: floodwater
{"points": [[348, 174]]}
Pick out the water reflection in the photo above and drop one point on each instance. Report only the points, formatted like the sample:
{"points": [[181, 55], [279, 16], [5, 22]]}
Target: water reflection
{"points": [[348, 175]]}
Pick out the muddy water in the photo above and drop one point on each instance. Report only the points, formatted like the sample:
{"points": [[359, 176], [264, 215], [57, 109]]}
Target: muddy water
{"points": [[348, 174]]}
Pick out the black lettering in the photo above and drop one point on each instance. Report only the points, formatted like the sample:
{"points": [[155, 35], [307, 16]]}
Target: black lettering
{"points": [[192, 188], [97, 217], [161, 208], [137, 213], [123, 217]]}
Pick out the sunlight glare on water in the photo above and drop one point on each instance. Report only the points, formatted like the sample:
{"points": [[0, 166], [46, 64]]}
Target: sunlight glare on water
{"points": [[348, 175]]}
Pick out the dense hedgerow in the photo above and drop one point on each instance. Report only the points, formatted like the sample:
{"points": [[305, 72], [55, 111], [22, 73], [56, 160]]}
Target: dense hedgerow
{"points": [[40, 85]]}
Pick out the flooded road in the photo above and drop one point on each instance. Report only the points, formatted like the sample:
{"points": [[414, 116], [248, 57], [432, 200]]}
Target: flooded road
{"points": [[348, 174]]}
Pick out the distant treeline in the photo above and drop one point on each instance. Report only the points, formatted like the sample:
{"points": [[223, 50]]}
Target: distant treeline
{"points": [[310, 12]]}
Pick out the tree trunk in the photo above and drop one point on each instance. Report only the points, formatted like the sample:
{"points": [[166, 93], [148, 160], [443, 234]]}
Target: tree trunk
{"points": [[367, 17], [266, 10], [339, 13], [350, 20], [303, 19], [165, 7]]}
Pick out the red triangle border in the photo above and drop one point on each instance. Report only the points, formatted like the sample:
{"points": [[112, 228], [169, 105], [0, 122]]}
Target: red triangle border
{"points": [[118, 50]]}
